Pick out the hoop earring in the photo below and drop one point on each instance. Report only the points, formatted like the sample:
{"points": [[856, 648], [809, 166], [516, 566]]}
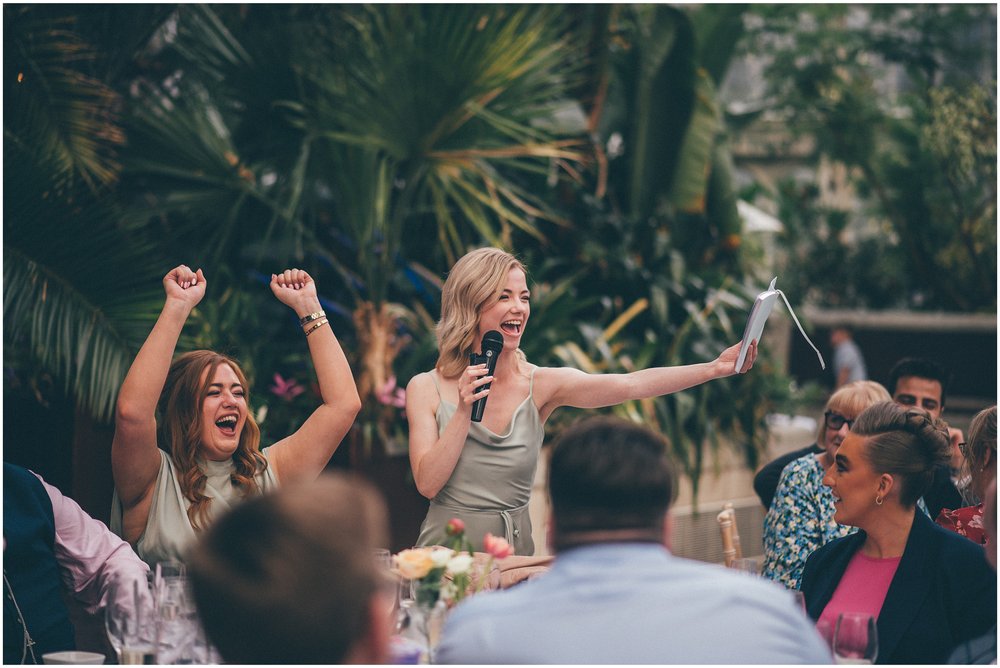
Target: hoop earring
{"points": [[878, 500]]}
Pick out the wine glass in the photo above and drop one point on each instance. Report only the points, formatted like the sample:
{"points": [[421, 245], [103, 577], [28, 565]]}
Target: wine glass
{"points": [[130, 621], [855, 639]]}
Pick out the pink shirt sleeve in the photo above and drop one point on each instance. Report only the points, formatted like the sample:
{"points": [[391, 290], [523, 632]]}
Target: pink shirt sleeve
{"points": [[90, 556]]}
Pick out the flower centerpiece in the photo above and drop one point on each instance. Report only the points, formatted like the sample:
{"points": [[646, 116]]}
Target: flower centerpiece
{"points": [[440, 577], [447, 572]]}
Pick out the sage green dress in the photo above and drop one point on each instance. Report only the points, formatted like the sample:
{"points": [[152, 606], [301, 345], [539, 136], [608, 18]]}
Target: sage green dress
{"points": [[168, 531], [491, 484]]}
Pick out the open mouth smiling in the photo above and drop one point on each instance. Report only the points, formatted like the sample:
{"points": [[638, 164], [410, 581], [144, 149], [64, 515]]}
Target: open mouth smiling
{"points": [[227, 424], [511, 326]]}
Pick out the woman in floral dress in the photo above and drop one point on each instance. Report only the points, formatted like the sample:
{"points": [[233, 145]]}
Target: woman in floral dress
{"points": [[980, 454], [801, 516]]}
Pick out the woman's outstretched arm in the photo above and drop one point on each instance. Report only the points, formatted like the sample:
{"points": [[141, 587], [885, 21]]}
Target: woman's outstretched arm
{"points": [[572, 387], [134, 459], [304, 454]]}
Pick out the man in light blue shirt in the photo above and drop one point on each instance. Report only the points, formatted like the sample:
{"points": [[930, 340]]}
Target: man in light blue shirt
{"points": [[615, 594]]}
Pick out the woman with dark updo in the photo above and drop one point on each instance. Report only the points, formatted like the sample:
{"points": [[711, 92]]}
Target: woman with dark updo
{"points": [[929, 588]]}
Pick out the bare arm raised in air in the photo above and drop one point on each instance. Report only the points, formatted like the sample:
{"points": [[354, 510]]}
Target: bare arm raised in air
{"points": [[304, 454], [134, 458]]}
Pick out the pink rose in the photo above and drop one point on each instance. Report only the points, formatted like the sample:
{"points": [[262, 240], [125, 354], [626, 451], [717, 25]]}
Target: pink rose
{"points": [[455, 527], [497, 547]]}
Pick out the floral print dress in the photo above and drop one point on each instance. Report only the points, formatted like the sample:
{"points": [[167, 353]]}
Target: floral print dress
{"points": [[799, 521], [967, 521]]}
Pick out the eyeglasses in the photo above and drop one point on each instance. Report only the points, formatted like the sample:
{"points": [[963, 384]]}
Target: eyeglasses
{"points": [[836, 420]]}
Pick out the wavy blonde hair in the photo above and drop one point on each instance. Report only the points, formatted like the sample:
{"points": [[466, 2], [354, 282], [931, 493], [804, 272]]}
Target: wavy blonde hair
{"points": [[852, 399], [476, 280], [180, 424], [981, 443]]}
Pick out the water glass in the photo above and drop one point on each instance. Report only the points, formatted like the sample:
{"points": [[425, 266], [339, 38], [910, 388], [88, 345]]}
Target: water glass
{"points": [[177, 624], [855, 639], [130, 621], [383, 558], [747, 566], [167, 571]]}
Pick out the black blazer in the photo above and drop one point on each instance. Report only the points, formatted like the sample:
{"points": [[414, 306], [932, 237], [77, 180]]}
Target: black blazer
{"points": [[943, 593]]}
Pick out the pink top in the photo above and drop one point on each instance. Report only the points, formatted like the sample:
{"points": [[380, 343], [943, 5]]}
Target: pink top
{"points": [[862, 588]]}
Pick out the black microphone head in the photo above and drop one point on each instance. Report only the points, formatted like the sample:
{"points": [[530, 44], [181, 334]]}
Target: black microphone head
{"points": [[492, 340]]}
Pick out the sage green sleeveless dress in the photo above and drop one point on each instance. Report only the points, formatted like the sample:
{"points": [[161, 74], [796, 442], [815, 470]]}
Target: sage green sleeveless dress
{"points": [[168, 531], [491, 484]]}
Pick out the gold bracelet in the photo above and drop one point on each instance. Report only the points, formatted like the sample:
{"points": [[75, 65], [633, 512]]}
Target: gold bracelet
{"points": [[319, 324], [306, 319]]}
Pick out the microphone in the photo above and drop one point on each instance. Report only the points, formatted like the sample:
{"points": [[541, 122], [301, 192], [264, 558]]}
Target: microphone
{"points": [[491, 346]]}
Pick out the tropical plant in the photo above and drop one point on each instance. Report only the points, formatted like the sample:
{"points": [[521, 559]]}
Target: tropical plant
{"points": [[71, 268], [650, 276], [393, 137]]}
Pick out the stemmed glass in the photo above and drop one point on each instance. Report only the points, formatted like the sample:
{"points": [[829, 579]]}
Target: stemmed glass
{"points": [[130, 620], [855, 639]]}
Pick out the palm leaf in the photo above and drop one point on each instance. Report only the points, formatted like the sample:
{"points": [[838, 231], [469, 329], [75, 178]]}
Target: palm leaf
{"points": [[51, 104], [76, 299]]}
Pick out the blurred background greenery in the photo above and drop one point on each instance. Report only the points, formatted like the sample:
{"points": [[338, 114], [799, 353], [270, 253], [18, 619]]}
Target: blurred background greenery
{"points": [[372, 145]]}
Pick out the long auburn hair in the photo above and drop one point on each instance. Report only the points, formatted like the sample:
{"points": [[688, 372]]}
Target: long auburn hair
{"points": [[180, 424], [476, 280]]}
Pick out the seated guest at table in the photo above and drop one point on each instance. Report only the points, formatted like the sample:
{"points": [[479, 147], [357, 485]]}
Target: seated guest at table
{"points": [[983, 650], [53, 552], [290, 577], [614, 593], [929, 588], [801, 516], [981, 463], [765, 482], [914, 381]]}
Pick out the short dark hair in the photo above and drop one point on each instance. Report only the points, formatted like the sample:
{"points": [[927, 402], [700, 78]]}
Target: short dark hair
{"points": [[919, 367], [288, 577], [906, 443], [607, 474]]}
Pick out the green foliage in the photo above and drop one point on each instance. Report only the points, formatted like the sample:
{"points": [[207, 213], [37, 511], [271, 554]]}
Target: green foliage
{"points": [[921, 154], [80, 291], [372, 145], [658, 314]]}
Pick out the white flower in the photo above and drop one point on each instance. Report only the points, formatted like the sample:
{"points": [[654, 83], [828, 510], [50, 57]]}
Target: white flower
{"points": [[460, 563], [440, 556], [448, 590]]}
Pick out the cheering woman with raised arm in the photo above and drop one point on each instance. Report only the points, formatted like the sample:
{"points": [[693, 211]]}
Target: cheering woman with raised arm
{"points": [[481, 472], [186, 446]]}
